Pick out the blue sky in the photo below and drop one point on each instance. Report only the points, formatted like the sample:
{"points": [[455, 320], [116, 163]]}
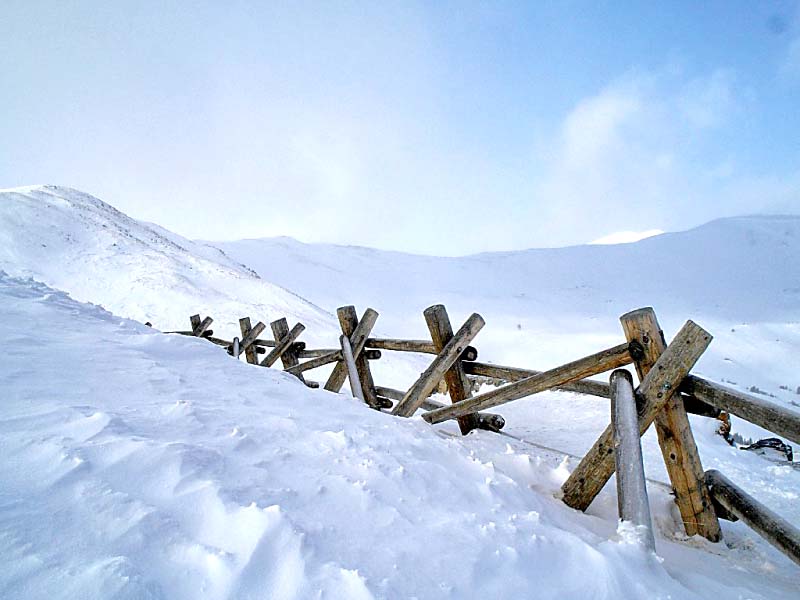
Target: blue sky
{"points": [[443, 128]]}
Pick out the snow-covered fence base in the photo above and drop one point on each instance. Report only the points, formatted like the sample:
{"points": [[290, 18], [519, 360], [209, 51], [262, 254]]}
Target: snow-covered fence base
{"points": [[665, 394]]}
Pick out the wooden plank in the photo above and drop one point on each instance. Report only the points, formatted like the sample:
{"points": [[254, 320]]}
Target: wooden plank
{"points": [[674, 431], [419, 346], [194, 321], [352, 371], [600, 362], [659, 385], [431, 377], [357, 341], [766, 414], [773, 528], [250, 351], [458, 386], [632, 501], [283, 342]]}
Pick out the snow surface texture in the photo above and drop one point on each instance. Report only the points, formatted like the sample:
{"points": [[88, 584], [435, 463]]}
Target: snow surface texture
{"points": [[130, 461], [141, 465]]}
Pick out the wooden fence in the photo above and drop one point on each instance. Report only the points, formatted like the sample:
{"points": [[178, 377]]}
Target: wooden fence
{"points": [[666, 393]]}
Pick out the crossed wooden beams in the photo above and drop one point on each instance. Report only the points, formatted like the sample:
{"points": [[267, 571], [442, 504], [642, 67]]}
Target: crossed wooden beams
{"points": [[661, 370]]}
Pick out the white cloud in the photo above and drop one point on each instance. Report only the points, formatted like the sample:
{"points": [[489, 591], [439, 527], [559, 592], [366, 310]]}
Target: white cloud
{"points": [[638, 155]]}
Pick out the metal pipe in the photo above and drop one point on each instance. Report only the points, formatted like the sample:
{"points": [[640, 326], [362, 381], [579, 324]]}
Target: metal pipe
{"points": [[632, 500]]}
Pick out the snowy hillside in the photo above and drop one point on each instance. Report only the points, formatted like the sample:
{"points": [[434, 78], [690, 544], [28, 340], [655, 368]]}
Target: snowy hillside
{"points": [[79, 244], [739, 278], [745, 268], [123, 474]]}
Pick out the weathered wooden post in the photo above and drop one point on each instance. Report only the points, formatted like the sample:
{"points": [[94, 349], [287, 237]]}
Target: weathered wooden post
{"points": [[352, 371], [741, 505], [458, 386], [248, 340], [200, 327], [674, 431], [431, 377], [632, 501], [658, 386], [283, 344], [251, 352], [357, 332]]}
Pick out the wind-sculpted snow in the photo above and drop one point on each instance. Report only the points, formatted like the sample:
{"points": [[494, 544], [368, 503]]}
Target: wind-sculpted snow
{"points": [[141, 465], [79, 244]]}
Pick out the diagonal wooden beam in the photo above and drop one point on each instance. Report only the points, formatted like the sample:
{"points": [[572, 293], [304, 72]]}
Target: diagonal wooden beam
{"points": [[251, 336], [284, 338], [358, 339], [600, 362], [431, 377], [674, 431], [250, 352], [659, 385], [199, 327], [458, 386]]}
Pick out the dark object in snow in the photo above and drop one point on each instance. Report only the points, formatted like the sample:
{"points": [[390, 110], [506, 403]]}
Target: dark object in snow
{"points": [[771, 446], [148, 324]]}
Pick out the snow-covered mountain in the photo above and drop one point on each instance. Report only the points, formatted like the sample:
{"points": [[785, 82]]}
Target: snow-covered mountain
{"points": [[745, 268], [76, 243]]}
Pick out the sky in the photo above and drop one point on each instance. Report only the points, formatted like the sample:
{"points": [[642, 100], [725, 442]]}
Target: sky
{"points": [[442, 128]]}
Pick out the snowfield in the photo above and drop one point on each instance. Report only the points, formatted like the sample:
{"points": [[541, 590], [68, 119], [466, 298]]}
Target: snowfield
{"points": [[135, 464]]}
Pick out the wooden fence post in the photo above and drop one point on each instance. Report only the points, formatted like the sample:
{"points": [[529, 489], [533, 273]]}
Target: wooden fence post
{"points": [[431, 377], [659, 385], [674, 431], [200, 327], [250, 338], [458, 386], [348, 320], [250, 353], [280, 330], [357, 331]]}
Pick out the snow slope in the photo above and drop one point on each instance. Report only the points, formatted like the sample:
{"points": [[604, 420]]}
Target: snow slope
{"points": [[161, 468], [745, 268], [79, 244], [739, 278]]}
